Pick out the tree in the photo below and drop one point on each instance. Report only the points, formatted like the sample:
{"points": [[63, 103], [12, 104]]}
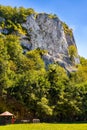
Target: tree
{"points": [[72, 52], [45, 109], [58, 80], [79, 76], [35, 59], [83, 61], [3, 66]]}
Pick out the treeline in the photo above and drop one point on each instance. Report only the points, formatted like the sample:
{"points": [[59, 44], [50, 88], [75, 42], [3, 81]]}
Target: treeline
{"points": [[11, 19], [27, 87], [30, 91], [16, 15]]}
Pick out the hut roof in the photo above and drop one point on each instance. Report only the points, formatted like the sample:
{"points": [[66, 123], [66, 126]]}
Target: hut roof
{"points": [[6, 113]]}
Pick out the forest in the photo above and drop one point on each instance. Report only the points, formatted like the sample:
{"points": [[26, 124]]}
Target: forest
{"points": [[27, 87]]}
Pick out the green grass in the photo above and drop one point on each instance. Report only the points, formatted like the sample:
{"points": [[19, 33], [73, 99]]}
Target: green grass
{"points": [[44, 126]]}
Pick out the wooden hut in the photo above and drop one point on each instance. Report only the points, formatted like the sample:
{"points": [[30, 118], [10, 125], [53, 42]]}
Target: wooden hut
{"points": [[6, 118]]}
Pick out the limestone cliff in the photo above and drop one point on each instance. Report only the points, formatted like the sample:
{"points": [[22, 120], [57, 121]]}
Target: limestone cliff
{"points": [[48, 34]]}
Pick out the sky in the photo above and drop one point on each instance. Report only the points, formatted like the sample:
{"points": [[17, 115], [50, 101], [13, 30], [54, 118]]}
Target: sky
{"points": [[72, 12]]}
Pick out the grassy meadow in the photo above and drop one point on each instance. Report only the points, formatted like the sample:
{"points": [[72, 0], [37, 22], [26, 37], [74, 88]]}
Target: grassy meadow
{"points": [[44, 126]]}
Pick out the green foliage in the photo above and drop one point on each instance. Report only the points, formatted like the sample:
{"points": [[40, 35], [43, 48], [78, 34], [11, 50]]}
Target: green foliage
{"points": [[83, 61], [34, 89], [67, 30], [25, 82], [80, 76], [12, 18], [44, 108], [72, 52], [35, 59], [6, 12], [16, 28], [52, 16], [17, 15]]}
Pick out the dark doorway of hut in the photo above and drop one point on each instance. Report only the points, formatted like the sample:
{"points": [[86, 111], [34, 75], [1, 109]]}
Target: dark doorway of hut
{"points": [[6, 118]]}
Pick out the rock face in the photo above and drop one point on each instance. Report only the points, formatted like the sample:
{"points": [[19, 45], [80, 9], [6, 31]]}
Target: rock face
{"points": [[48, 34]]}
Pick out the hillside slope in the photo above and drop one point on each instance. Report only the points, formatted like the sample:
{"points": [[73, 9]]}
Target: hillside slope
{"points": [[43, 31]]}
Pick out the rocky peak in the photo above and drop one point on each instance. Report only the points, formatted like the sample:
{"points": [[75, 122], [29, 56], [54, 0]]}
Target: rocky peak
{"points": [[48, 34]]}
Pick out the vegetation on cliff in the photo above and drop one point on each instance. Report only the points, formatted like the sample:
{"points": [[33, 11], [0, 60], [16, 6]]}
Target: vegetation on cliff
{"points": [[67, 30], [29, 89]]}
